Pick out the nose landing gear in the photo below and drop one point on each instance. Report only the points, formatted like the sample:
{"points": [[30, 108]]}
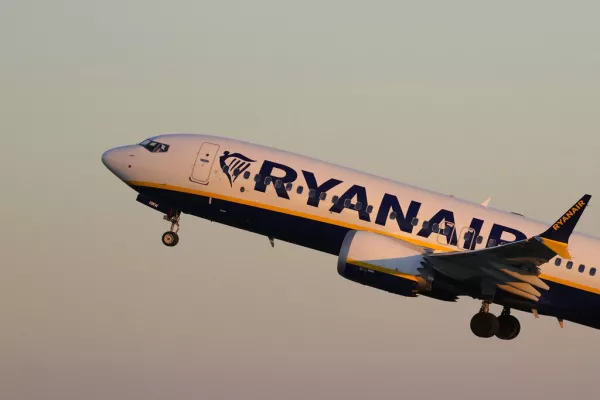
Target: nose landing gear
{"points": [[171, 238]]}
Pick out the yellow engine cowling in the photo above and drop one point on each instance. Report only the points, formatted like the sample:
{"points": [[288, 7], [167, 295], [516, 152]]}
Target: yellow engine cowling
{"points": [[383, 262]]}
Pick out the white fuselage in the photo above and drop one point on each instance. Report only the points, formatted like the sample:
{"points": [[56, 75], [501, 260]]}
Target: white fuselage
{"points": [[189, 168]]}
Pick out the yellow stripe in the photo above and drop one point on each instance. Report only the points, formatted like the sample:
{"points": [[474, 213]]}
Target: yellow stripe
{"points": [[414, 241], [381, 269], [569, 283], [329, 221]]}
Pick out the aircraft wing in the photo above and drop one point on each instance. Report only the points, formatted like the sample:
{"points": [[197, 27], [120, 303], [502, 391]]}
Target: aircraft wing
{"points": [[512, 267]]}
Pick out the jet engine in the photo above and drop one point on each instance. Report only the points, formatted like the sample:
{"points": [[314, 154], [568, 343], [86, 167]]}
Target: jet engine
{"points": [[388, 264]]}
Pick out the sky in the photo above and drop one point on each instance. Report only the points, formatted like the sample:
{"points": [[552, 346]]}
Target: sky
{"points": [[472, 98]]}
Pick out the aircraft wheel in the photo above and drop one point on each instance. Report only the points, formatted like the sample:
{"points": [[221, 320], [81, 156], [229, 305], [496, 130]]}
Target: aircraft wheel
{"points": [[484, 325], [170, 239], [509, 327]]}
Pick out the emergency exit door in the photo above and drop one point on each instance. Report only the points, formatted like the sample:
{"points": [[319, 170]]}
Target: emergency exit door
{"points": [[204, 163]]}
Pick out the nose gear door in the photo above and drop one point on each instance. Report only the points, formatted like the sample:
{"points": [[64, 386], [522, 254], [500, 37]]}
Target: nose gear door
{"points": [[204, 162]]}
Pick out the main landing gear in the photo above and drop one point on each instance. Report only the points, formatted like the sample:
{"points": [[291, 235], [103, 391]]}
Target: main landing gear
{"points": [[485, 324], [171, 238]]}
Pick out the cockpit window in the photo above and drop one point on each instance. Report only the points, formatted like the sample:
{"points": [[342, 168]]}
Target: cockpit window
{"points": [[154, 147]]}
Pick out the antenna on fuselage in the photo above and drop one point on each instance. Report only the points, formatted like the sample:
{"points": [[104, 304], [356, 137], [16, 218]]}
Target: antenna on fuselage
{"points": [[486, 202]]}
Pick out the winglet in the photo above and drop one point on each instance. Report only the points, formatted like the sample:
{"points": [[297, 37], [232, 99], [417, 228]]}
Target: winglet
{"points": [[561, 230], [557, 236]]}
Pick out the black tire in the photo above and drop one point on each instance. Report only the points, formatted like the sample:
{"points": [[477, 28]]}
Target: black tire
{"points": [[484, 325], [509, 327], [170, 239]]}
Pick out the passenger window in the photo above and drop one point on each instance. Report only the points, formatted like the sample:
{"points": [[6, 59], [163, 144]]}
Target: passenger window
{"points": [[226, 168], [592, 271], [414, 222], [311, 193], [467, 236], [278, 183], [236, 172], [300, 189], [288, 187], [479, 239], [358, 206], [447, 230], [322, 195], [268, 180], [335, 199], [392, 215], [257, 178], [425, 225], [492, 243], [246, 174], [369, 209], [435, 227], [347, 203], [557, 262], [570, 265], [582, 268]]}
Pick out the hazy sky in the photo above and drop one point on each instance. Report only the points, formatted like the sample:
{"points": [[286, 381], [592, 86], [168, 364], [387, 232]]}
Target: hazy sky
{"points": [[472, 98]]}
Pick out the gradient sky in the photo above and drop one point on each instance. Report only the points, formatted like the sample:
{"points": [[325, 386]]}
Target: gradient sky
{"points": [[471, 98]]}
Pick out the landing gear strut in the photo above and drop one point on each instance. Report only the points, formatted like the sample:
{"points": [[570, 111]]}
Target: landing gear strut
{"points": [[485, 324], [171, 238]]}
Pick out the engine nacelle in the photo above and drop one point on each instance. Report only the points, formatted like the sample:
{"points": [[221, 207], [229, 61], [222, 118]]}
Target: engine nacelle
{"points": [[392, 265], [384, 263]]}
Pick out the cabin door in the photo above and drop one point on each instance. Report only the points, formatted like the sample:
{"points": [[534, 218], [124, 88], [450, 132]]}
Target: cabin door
{"points": [[204, 163]]}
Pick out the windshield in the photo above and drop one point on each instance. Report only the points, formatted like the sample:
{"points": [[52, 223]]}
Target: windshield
{"points": [[154, 147]]}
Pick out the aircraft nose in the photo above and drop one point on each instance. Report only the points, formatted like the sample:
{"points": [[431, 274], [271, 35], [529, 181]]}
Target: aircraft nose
{"points": [[108, 159], [117, 160]]}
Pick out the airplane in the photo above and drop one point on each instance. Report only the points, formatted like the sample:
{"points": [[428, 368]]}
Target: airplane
{"points": [[387, 235]]}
